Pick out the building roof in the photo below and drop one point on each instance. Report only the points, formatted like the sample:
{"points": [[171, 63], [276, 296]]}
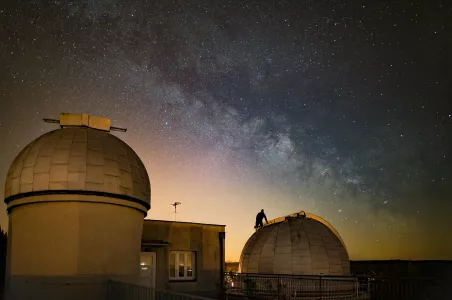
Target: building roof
{"points": [[194, 223], [79, 160], [154, 243]]}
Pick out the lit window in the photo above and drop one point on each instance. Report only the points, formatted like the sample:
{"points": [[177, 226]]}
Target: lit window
{"points": [[182, 265]]}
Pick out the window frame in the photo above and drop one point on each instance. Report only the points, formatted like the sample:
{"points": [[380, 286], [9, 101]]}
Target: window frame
{"points": [[176, 265]]}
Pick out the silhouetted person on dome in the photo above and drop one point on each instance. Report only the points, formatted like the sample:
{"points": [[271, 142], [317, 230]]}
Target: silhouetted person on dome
{"points": [[260, 216]]}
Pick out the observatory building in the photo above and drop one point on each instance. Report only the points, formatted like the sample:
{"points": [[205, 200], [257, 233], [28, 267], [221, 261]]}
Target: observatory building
{"points": [[76, 199], [298, 244]]}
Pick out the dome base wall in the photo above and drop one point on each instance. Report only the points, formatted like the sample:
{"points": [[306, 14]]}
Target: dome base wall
{"points": [[74, 238], [61, 287]]}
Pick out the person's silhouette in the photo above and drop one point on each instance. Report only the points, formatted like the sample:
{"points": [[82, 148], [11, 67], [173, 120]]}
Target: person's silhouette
{"points": [[259, 217]]}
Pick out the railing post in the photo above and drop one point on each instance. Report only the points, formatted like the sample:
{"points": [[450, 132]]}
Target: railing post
{"points": [[246, 284], [357, 287], [108, 290], [320, 286]]}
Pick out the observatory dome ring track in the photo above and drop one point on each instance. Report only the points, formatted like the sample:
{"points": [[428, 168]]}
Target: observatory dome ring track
{"points": [[78, 161], [75, 192]]}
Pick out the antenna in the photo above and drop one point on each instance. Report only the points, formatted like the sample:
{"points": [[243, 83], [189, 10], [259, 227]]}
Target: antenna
{"points": [[118, 129], [175, 204], [51, 121]]}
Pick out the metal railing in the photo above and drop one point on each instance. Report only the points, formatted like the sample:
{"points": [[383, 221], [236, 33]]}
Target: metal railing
{"points": [[125, 291], [383, 288], [262, 286]]}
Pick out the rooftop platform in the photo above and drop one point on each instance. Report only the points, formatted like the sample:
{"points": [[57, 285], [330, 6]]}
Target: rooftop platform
{"points": [[181, 222]]}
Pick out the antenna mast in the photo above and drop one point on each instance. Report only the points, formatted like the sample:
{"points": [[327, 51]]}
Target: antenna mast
{"points": [[175, 204]]}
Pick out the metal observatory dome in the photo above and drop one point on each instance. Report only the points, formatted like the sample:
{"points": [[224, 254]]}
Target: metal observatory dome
{"points": [[298, 244], [78, 160]]}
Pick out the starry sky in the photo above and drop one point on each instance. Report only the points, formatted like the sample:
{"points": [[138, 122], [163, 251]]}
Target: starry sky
{"points": [[340, 108]]}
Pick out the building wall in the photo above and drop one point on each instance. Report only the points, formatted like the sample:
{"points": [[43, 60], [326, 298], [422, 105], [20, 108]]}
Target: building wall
{"points": [[202, 238]]}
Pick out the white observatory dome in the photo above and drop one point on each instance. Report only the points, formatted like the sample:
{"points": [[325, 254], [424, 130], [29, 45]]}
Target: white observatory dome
{"points": [[79, 161], [299, 244]]}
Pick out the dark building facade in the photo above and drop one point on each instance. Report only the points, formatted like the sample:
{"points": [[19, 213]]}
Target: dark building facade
{"points": [[183, 257]]}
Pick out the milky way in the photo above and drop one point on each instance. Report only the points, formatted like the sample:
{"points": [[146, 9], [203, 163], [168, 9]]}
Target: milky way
{"points": [[335, 107]]}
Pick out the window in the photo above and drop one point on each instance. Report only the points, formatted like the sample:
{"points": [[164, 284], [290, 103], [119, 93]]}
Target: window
{"points": [[182, 265]]}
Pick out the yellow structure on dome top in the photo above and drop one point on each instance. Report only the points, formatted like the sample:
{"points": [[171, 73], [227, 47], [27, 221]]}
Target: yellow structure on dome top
{"points": [[85, 120]]}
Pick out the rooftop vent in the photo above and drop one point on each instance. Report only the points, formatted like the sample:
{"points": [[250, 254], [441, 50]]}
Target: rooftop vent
{"points": [[85, 120]]}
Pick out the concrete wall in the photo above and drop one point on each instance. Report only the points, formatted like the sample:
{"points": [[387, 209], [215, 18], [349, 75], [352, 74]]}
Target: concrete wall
{"points": [[201, 238], [66, 241]]}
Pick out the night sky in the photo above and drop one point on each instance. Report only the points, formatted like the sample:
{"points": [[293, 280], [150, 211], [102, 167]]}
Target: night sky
{"points": [[339, 108]]}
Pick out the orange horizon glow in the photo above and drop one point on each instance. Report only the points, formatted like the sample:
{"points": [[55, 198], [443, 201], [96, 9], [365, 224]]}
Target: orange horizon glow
{"points": [[214, 191]]}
